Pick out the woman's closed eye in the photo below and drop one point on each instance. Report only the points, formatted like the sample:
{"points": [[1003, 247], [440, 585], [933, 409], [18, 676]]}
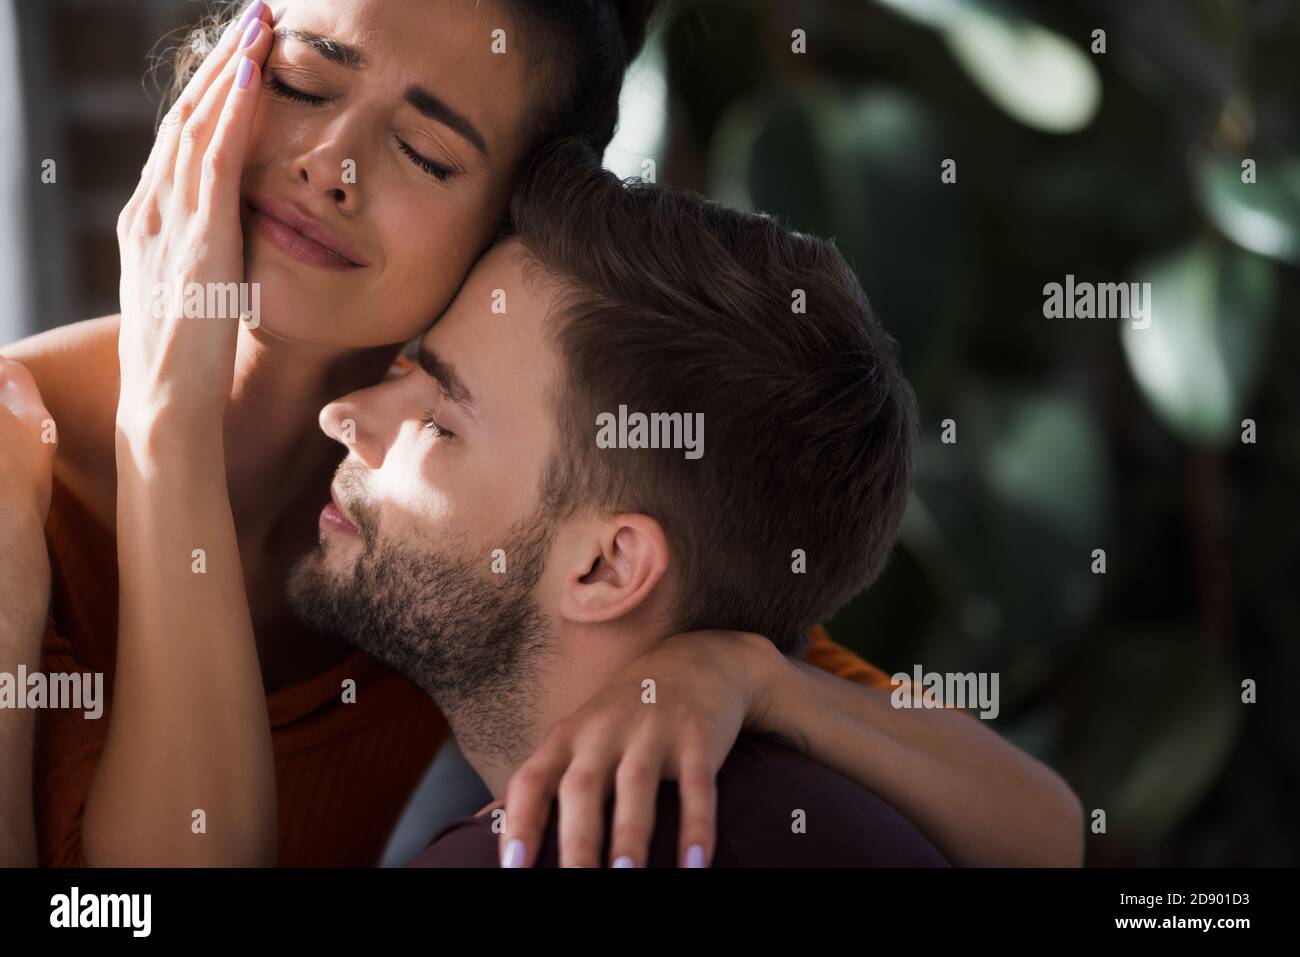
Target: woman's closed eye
{"points": [[283, 90], [436, 170]]}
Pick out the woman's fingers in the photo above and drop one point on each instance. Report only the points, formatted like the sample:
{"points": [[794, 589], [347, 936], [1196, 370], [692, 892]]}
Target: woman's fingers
{"points": [[529, 796], [220, 173], [162, 160], [636, 792], [697, 785], [20, 399], [158, 171], [583, 788], [19, 393], [225, 101]]}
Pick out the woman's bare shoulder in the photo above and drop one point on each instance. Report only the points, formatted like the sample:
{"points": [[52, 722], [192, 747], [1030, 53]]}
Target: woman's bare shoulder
{"points": [[75, 368], [66, 347]]}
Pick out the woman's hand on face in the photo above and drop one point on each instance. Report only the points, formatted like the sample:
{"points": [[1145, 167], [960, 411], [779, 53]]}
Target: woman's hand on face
{"points": [[27, 442], [181, 242], [631, 736]]}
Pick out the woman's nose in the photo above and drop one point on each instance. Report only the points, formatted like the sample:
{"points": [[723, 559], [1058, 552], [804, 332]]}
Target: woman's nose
{"points": [[326, 170]]}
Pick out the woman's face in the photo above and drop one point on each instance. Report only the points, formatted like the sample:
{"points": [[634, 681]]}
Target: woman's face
{"points": [[381, 159]]}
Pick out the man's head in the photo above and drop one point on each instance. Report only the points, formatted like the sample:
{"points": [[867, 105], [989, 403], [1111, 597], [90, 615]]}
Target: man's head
{"points": [[504, 539]]}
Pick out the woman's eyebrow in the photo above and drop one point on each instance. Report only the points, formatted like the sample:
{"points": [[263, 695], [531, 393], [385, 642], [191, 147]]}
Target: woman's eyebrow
{"points": [[427, 103], [331, 49], [436, 109]]}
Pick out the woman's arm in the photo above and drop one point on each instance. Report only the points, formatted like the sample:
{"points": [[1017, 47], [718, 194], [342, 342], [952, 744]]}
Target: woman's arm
{"points": [[978, 799], [187, 775], [24, 601], [25, 476], [982, 801], [189, 731]]}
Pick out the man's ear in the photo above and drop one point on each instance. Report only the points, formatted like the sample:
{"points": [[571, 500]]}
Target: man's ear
{"points": [[622, 562]]}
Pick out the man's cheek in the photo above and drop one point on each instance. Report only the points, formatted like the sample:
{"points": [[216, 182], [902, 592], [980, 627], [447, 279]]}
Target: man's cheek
{"points": [[402, 510], [429, 485]]}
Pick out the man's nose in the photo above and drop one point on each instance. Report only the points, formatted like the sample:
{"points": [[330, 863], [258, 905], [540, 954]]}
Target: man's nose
{"points": [[344, 421]]}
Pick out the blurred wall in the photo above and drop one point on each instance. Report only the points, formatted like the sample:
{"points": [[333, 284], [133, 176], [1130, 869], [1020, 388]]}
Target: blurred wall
{"points": [[89, 107], [15, 259]]}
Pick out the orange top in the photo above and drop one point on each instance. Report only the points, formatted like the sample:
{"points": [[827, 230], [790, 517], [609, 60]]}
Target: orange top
{"points": [[344, 773]]}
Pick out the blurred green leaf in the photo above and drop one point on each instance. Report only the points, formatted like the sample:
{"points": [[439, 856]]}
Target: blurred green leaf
{"points": [[864, 171], [1048, 460], [939, 14], [1163, 719], [1011, 514], [1197, 361], [1055, 454], [1263, 216], [1033, 74]]}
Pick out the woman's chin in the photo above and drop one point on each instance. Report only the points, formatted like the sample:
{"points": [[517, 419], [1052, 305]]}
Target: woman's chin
{"points": [[342, 312], [292, 314], [292, 309]]}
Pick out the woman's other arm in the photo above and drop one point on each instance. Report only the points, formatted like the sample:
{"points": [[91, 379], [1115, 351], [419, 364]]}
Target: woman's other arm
{"points": [[27, 441]]}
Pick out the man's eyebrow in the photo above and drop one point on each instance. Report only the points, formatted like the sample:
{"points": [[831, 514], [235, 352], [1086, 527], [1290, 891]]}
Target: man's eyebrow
{"points": [[444, 373], [435, 109], [329, 48]]}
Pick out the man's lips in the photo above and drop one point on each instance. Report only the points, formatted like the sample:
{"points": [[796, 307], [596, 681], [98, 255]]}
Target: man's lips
{"points": [[334, 518], [301, 235]]}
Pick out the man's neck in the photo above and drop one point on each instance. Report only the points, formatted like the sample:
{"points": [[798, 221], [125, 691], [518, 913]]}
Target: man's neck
{"points": [[586, 661]]}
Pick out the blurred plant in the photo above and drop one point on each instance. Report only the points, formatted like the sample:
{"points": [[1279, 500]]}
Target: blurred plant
{"points": [[1072, 435]]}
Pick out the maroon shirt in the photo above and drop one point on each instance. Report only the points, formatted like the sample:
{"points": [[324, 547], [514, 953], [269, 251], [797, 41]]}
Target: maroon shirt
{"points": [[760, 787]]}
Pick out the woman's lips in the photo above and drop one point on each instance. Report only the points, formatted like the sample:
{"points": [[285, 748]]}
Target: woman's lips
{"points": [[303, 238]]}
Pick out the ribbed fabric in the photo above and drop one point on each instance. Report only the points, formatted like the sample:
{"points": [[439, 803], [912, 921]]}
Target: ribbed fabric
{"points": [[344, 772]]}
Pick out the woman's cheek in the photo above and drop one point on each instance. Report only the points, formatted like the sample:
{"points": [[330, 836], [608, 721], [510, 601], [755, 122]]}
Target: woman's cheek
{"points": [[426, 276]]}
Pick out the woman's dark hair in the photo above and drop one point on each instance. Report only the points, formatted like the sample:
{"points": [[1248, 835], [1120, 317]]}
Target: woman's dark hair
{"points": [[578, 48], [588, 45]]}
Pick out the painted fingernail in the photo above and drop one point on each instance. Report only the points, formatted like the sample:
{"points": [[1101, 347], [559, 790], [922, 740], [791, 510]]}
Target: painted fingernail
{"points": [[514, 855], [253, 12], [694, 856], [245, 73], [251, 34], [624, 861]]}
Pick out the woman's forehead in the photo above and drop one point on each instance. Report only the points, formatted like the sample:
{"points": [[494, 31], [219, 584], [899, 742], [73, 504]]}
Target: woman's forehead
{"points": [[452, 53]]}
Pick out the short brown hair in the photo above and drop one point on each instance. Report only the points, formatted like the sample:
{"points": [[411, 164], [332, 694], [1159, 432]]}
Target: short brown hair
{"points": [[673, 303]]}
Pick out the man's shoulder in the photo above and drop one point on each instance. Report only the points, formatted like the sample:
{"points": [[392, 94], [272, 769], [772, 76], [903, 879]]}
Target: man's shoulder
{"points": [[780, 808], [776, 808], [465, 842]]}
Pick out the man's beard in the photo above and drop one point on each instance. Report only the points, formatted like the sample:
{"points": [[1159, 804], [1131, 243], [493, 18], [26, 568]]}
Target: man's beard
{"points": [[471, 640]]}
